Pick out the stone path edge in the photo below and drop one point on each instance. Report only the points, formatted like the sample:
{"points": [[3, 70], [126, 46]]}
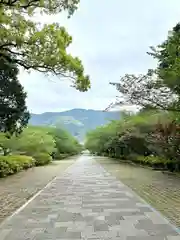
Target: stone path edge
{"points": [[142, 200], [32, 198]]}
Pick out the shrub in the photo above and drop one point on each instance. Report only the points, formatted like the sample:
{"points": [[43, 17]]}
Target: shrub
{"points": [[14, 163], [42, 159], [60, 156], [5, 170], [152, 161], [157, 162]]}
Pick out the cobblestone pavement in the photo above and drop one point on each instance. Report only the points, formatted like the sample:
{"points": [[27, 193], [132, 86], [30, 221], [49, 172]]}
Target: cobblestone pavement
{"points": [[86, 202], [17, 189]]}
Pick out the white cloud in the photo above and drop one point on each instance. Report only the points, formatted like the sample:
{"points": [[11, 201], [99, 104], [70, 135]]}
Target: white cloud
{"points": [[111, 38]]}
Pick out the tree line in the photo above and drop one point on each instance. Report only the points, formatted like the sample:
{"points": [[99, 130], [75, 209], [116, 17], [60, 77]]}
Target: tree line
{"points": [[151, 136], [35, 146], [30, 45]]}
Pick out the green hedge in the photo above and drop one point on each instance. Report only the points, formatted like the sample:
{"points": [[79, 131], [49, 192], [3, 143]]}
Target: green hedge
{"points": [[14, 163], [42, 159], [157, 162]]}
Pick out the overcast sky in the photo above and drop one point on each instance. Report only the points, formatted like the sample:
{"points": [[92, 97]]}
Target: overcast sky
{"points": [[111, 38]]}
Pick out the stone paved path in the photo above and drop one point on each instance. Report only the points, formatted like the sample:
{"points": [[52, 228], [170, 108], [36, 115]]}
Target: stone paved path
{"points": [[86, 202], [16, 189]]}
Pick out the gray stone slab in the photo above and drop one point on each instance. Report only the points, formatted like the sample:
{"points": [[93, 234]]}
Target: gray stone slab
{"points": [[86, 202]]}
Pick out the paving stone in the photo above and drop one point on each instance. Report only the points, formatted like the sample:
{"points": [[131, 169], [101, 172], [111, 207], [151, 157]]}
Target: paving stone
{"points": [[86, 202], [4, 233], [100, 225], [173, 238], [17, 189], [156, 229], [145, 238]]}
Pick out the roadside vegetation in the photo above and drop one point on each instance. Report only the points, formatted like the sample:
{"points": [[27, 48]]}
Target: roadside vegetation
{"points": [[28, 45], [35, 146], [149, 138], [152, 136]]}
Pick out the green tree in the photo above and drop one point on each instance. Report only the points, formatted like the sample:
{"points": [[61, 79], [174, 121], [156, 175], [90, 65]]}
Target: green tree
{"points": [[159, 88], [6, 143], [34, 140], [120, 138], [139, 137], [168, 56], [145, 91], [65, 142], [13, 111], [36, 46]]}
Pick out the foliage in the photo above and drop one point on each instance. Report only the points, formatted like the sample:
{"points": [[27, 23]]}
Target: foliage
{"points": [[36, 146], [13, 111], [34, 140], [41, 142], [15, 163], [38, 46], [60, 156], [167, 55], [7, 143], [168, 139], [149, 137], [42, 159], [145, 91], [156, 162], [64, 143], [160, 87]]}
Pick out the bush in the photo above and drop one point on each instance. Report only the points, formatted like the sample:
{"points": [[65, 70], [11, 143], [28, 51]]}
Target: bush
{"points": [[14, 163], [42, 159], [157, 162], [60, 156]]}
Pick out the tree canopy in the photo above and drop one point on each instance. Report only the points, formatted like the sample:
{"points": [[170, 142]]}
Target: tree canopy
{"points": [[13, 111], [65, 143], [168, 56], [160, 87], [36, 140], [149, 137], [35, 46]]}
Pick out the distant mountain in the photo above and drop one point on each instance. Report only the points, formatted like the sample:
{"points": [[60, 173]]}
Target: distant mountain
{"points": [[76, 121]]}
